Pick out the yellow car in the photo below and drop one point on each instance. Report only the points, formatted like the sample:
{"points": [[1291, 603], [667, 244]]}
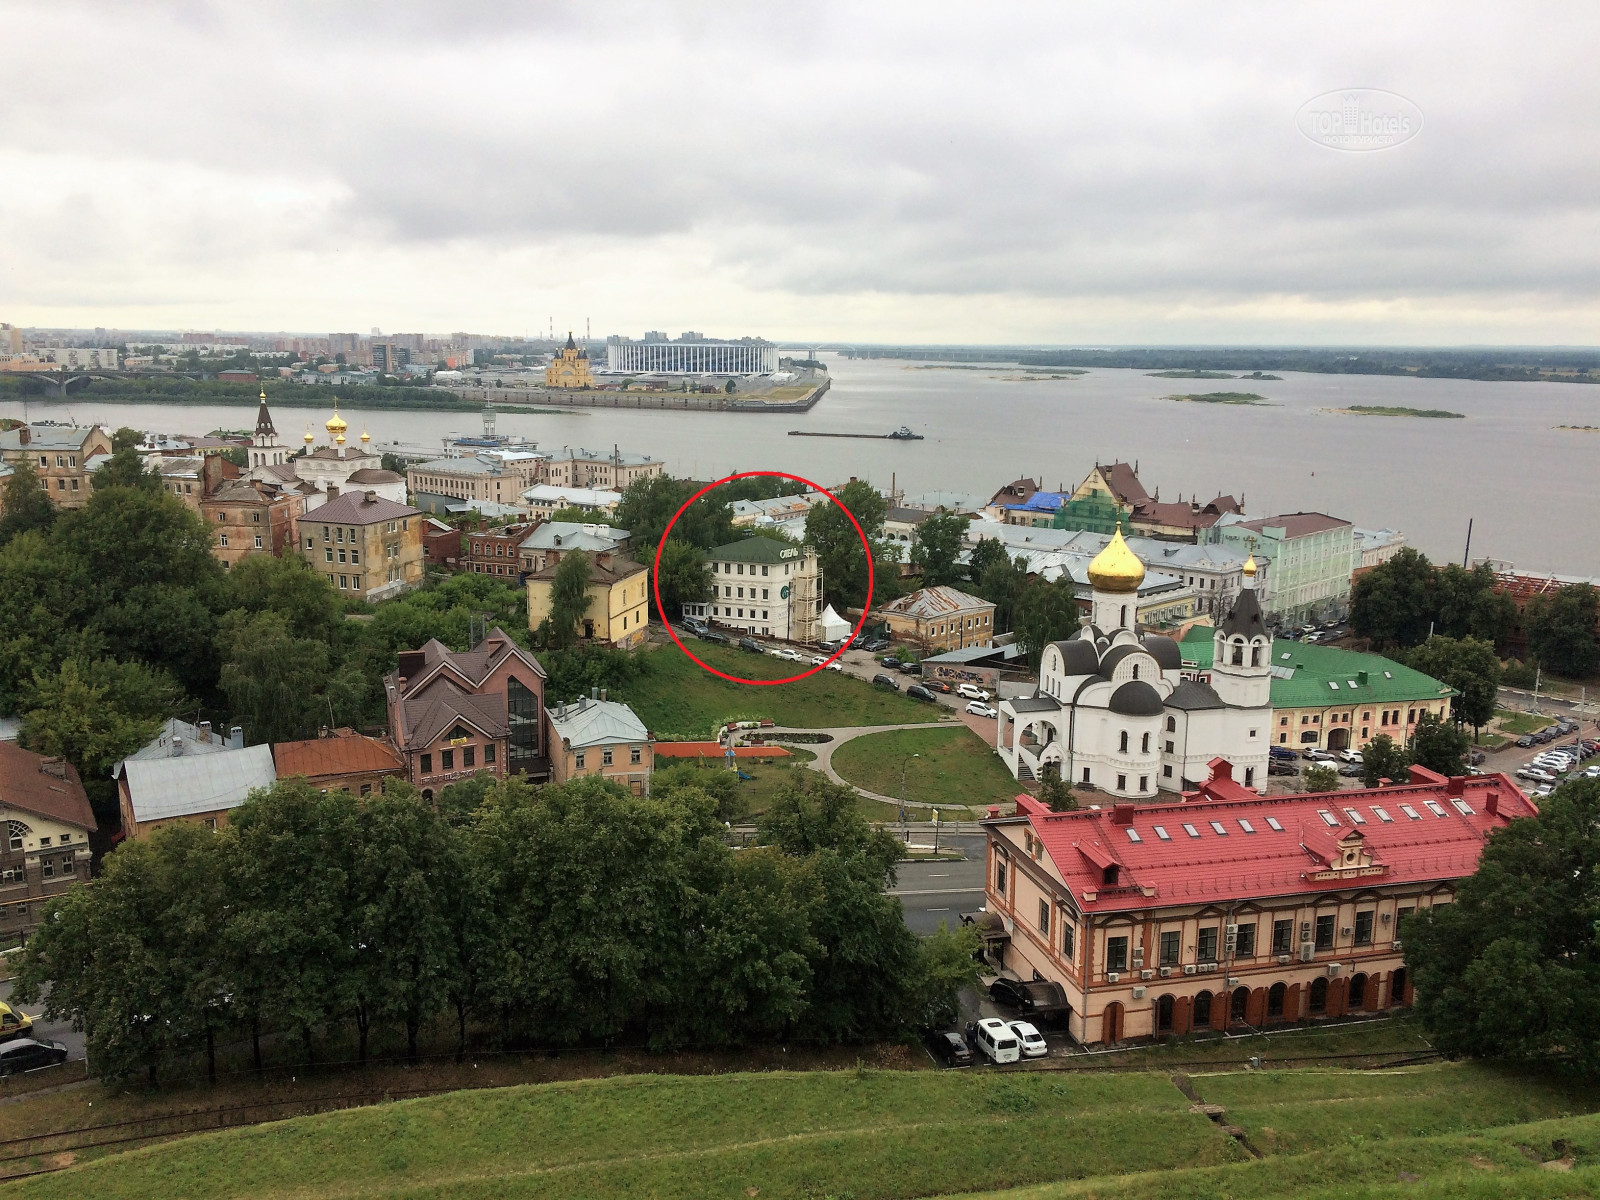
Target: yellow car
{"points": [[14, 1023]]}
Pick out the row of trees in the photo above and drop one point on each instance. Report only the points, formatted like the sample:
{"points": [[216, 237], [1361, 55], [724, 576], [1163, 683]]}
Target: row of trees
{"points": [[577, 914]]}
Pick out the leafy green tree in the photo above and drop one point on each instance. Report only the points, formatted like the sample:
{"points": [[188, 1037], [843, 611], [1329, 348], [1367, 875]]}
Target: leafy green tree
{"points": [[569, 600], [1384, 758], [1469, 666], [281, 687], [128, 537], [1054, 792], [717, 783], [287, 586], [576, 516], [647, 506], [1469, 604], [126, 468], [1561, 630], [125, 438], [1511, 970], [1003, 582], [950, 962], [24, 504], [683, 576], [1439, 745], [1393, 603], [1046, 612], [810, 814], [1319, 777], [584, 667], [985, 554], [838, 546], [937, 547]]}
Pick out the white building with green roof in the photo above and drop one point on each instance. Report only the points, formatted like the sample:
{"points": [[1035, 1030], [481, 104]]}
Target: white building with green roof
{"points": [[767, 587], [1334, 699]]}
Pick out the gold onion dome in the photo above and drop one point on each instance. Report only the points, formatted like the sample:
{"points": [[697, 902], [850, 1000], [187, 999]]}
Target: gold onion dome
{"points": [[365, 437], [1250, 566], [310, 437], [336, 425], [1116, 568]]}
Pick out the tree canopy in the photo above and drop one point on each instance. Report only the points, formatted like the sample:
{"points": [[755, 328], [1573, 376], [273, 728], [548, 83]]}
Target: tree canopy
{"points": [[1468, 665], [938, 545], [1561, 630]]}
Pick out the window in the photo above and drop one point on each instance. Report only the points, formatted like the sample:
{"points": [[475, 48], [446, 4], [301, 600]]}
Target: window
{"points": [[48, 868], [1000, 875], [366, 789], [1325, 932], [1190, 830], [1410, 812], [1171, 945], [578, 760], [1400, 920], [1282, 936], [447, 760], [635, 755], [1364, 928], [1172, 727], [488, 754], [522, 715], [1163, 834], [427, 764], [1069, 940], [1122, 782], [1244, 942], [1123, 745], [1117, 954], [1133, 835], [1355, 817], [1220, 829], [1328, 818], [1208, 944], [44, 841], [258, 541], [1145, 744], [1434, 807], [1044, 917], [469, 756], [1246, 826], [1275, 997], [605, 757], [222, 539], [1086, 774], [1382, 814], [1144, 785]]}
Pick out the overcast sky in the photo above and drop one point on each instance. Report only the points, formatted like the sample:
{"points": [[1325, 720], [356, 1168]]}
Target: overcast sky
{"points": [[880, 172]]}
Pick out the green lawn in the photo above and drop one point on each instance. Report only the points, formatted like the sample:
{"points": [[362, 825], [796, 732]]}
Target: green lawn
{"points": [[1518, 723], [676, 699], [953, 766]]}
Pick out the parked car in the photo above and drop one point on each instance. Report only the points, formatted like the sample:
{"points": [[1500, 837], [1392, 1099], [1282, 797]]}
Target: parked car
{"points": [[1534, 773], [996, 1042], [890, 661], [750, 644], [1033, 1043], [1351, 770], [1034, 996], [836, 666], [1280, 752], [888, 681], [29, 1054], [938, 685], [1477, 758], [791, 655], [1350, 756], [950, 1048], [1525, 741], [979, 709], [1276, 766], [917, 692], [818, 660], [971, 691], [911, 668], [1316, 755], [695, 625], [14, 1023], [711, 635]]}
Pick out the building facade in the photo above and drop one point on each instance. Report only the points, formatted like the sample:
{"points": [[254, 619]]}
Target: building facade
{"points": [[251, 517], [575, 467], [691, 354], [938, 619], [495, 550], [48, 822], [60, 456], [767, 587], [549, 541], [1311, 555], [340, 760], [546, 499], [183, 785], [598, 737], [365, 545], [438, 484], [1231, 910], [619, 600]]}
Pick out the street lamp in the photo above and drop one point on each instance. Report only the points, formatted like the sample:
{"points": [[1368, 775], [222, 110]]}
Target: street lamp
{"points": [[906, 762]]}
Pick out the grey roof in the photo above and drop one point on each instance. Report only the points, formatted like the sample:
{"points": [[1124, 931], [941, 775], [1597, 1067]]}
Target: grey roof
{"points": [[596, 723], [1078, 657], [975, 654], [1190, 695], [467, 465], [571, 535], [189, 785], [1116, 654], [1136, 698], [1244, 619], [1164, 650], [616, 458], [47, 437], [935, 603], [178, 738], [1036, 704], [353, 508]]}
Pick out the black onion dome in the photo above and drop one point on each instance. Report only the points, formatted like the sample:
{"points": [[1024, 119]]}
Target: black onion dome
{"points": [[1136, 698]]}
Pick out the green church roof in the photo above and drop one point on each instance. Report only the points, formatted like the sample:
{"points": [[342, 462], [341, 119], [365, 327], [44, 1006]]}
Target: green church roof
{"points": [[1304, 675], [755, 549]]}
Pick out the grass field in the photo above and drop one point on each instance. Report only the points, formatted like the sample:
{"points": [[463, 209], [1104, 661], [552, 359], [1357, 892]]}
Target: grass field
{"points": [[1516, 724], [676, 699], [953, 766]]}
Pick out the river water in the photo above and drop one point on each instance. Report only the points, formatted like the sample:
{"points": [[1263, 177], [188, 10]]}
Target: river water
{"points": [[1530, 487]]}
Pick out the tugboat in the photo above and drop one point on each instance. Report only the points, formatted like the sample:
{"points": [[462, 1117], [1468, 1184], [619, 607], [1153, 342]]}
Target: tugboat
{"points": [[904, 434]]}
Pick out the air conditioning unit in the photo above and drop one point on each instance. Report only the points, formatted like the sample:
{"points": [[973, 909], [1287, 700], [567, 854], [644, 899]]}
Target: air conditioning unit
{"points": [[1112, 976], [1166, 972], [1138, 956], [1333, 968], [1147, 974], [1307, 952], [1189, 970], [1230, 930], [1138, 993], [1233, 981], [1283, 959], [1305, 931], [1208, 966], [1396, 944], [1346, 931], [1230, 944]]}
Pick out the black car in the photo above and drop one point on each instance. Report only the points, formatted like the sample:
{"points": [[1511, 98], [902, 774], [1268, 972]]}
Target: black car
{"points": [[888, 681], [891, 662], [1038, 997], [750, 644], [1351, 771], [917, 692], [910, 668], [28, 1054], [1477, 758], [950, 1048], [1278, 767], [711, 635], [1525, 741]]}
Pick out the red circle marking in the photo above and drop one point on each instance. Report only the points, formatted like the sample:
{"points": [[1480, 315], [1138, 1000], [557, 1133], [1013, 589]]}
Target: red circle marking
{"points": [[655, 581]]}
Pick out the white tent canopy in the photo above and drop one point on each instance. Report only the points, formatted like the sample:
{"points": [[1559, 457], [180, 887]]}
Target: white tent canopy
{"points": [[834, 626]]}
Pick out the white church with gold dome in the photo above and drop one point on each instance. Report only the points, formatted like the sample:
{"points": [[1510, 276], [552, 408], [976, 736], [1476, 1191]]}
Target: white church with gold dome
{"points": [[328, 470], [1121, 714]]}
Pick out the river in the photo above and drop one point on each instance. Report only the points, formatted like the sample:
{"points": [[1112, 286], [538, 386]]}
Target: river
{"points": [[1529, 486]]}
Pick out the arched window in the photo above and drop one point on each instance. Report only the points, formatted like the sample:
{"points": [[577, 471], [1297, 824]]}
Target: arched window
{"points": [[1136, 670], [1255, 656], [1172, 724], [1122, 622], [16, 831], [1358, 991], [1144, 745], [1238, 654], [1275, 995], [1319, 994], [1241, 1001], [1397, 987], [1202, 1010], [1124, 745], [1164, 1007]]}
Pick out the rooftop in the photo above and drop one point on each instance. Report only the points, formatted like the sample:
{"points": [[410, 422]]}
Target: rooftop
{"points": [[572, 535], [596, 723], [469, 464], [45, 787], [360, 508], [592, 497], [189, 785], [346, 752], [757, 549], [935, 602], [47, 437], [179, 737], [1306, 675], [1295, 525]]}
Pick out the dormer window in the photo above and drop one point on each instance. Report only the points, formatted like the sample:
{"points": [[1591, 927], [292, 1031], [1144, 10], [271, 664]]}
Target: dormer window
{"points": [[1108, 877]]}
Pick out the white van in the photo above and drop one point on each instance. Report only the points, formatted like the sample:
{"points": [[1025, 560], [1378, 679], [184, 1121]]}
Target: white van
{"points": [[968, 691], [997, 1041]]}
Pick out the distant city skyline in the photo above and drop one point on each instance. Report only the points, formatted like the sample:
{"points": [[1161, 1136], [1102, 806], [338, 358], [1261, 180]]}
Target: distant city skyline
{"points": [[1049, 175]]}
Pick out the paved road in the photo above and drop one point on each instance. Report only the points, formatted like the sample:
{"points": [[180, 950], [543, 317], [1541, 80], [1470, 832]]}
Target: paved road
{"points": [[931, 892], [54, 1030]]}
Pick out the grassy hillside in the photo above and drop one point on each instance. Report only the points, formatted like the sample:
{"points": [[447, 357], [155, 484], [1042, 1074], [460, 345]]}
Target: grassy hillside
{"points": [[677, 699], [1436, 1131], [953, 766]]}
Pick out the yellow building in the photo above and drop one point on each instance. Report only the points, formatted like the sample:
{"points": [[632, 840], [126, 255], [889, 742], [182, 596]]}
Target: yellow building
{"points": [[570, 368], [619, 594]]}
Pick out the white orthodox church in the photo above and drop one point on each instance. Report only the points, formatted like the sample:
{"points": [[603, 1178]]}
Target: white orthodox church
{"points": [[1121, 714], [327, 471]]}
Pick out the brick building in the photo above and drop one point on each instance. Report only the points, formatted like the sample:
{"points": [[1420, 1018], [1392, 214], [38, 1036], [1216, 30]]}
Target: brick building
{"points": [[59, 455], [48, 822], [365, 545], [595, 736], [252, 517], [342, 760]]}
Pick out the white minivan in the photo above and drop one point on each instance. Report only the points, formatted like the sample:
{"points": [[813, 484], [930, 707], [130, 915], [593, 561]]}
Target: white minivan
{"points": [[997, 1041]]}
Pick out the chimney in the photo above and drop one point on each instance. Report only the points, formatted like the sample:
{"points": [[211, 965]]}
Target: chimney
{"points": [[177, 746], [1122, 814], [333, 492], [236, 738], [372, 497], [1457, 786], [602, 695], [411, 662], [994, 812], [24, 435], [1491, 802], [205, 731], [57, 765], [1361, 678], [594, 693]]}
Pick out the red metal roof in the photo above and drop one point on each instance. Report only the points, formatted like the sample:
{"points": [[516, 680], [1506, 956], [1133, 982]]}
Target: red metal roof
{"points": [[1273, 845], [716, 750]]}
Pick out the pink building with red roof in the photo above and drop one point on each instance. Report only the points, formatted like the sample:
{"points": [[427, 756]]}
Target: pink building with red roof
{"points": [[1229, 909]]}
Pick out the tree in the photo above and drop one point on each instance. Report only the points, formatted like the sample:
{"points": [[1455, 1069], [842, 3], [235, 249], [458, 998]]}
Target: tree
{"points": [[281, 687], [287, 586], [647, 506], [1046, 612], [569, 600], [1469, 666], [1561, 630], [717, 783], [1053, 792], [24, 504], [838, 545], [1511, 970], [1384, 758], [1439, 745], [937, 547], [576, 516], [985, 554], [1468, 603], [1319, 777], [811, 814], [125, 468], [1393, 603], [683, 576], [1003, 582]]}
